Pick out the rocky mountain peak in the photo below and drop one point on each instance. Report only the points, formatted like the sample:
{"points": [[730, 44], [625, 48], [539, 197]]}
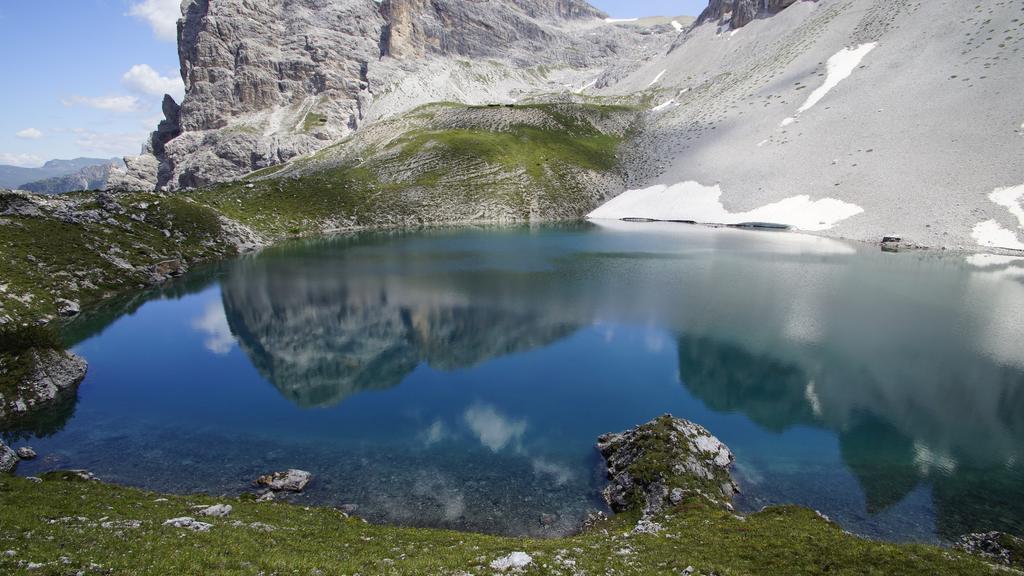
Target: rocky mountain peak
{"points": [[739, 13]]}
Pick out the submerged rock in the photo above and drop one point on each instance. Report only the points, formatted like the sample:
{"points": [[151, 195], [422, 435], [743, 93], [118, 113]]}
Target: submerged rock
{"points": [[663, 462], [8, 459], [288, 481], [996, 547]]}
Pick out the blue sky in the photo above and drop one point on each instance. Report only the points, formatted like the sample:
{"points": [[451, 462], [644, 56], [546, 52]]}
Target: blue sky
{"points": [[86, 77]]}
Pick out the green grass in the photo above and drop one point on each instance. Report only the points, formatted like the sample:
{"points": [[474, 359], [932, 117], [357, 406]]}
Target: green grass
{"points": [[56, 519], [312, 121], [524, 170], [44, 258]]}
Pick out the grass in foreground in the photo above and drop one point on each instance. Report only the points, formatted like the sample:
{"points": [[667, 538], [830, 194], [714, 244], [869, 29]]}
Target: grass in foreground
{"points": [[63, 527]]}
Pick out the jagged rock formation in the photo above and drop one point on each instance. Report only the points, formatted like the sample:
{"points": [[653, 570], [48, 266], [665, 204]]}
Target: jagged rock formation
{"points": [[739, 13], [8, 459], [267, 80]]}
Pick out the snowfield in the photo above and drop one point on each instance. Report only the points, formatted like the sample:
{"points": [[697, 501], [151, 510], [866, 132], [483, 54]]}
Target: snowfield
{"points": [[703, 204]]}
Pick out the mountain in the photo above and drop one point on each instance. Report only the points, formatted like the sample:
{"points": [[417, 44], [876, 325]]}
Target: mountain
{"points": [[15, 176], [92, 177], [852, 118]]}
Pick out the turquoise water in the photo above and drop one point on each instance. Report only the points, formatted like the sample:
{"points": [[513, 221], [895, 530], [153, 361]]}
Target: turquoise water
{"points": [[460, 378]]}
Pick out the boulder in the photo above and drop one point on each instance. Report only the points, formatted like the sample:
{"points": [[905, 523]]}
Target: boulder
{"points": [[287, 481], [68, 308], [8, 459], [54, 373], [217, 510], [26, 453], [662, 463]]}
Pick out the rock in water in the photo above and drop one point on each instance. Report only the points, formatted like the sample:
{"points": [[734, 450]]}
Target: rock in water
{"points": [[288, 481], [996, 547], [26, 453], [663, 462], [8, 459]]}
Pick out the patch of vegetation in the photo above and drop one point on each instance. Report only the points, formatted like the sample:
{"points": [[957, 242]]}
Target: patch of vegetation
{"points": [[312, 121], [444, 167], [66, 525]]}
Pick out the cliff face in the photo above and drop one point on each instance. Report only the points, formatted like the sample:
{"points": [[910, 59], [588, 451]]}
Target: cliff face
{"points": [[268, 80]]}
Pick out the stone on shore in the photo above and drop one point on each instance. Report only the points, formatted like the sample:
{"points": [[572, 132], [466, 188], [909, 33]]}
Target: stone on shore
{"points": [[287, 481], [663, 462], [8, 459]]}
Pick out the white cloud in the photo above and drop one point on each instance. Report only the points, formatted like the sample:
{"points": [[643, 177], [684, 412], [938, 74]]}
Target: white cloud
{"points": [[161, 15], [112, 103], [142, 78], [30, 134], [494, 430], [219, 339], [22, 160]]}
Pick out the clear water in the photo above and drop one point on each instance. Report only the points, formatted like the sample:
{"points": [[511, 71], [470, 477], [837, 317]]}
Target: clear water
{"points": [[460, 378]]}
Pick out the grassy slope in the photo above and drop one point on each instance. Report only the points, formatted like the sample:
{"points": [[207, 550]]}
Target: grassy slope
{"points": [[44, 258], [435, 173], [785, 540]]}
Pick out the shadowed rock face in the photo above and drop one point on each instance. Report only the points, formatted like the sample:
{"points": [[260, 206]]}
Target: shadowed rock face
{"points": [[739, 13]]}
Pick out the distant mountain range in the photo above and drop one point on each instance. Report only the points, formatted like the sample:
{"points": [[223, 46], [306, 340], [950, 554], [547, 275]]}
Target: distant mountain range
{"points": [[42, 179]]}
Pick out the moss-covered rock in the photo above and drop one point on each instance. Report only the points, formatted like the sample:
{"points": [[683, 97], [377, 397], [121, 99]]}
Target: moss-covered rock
{"points": [[664, 462]]}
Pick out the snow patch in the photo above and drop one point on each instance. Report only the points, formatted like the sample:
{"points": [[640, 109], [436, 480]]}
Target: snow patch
{"points": [[677, 26], [838, 68], [990, 232], [694, 201], [614, 20], [786, 122], [656, 78]]}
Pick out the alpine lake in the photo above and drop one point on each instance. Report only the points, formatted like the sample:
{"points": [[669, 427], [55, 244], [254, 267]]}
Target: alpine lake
{"points": [[459, 377]]}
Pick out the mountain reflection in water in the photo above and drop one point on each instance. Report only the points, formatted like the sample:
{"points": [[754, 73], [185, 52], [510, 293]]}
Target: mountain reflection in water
{"points": [[885, 390]]}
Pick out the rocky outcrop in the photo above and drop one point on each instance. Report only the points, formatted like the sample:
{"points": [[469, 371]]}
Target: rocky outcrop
{"points": [[997, 547], [53, 373], [664, 462], [8, 459], [287, 481], [739, 13]]}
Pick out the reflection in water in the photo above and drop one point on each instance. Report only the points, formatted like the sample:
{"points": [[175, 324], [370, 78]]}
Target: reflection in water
{"points": [[850, 380], [323, 330]]}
